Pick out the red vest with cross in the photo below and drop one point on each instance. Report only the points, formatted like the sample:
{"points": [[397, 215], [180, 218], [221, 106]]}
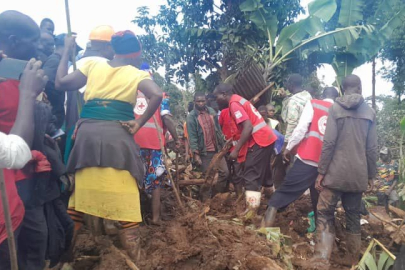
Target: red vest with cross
{"points": [[147, 136], [261, 133], [311, 147]]}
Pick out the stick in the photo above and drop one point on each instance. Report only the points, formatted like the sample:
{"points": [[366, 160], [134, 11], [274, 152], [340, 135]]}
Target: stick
{"points": [[9, 226], [191, 182], [396, 234], [256, 98], [69, 28], [399, 212], [162, 148], [177, 167], [128, 260], [384, 220]]}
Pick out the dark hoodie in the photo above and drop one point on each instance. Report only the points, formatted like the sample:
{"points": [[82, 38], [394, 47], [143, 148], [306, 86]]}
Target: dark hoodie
{"points": [[349, 152]]}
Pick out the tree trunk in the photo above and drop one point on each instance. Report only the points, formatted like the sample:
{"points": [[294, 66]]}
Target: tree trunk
{"points": [[373, 86]]}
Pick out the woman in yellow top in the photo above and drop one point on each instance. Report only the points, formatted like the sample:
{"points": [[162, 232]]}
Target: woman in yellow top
{"points": [[105, 158]]}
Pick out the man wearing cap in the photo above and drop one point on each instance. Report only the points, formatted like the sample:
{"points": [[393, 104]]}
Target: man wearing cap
{"points": [[56, 98], [99, 49]]}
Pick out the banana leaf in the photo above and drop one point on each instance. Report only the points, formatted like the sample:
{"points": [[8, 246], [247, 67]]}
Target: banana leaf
{"points": [[376, 257]]}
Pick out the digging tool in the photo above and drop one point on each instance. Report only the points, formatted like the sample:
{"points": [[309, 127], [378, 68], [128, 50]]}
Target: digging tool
{"points": [[9, 226], [162, 148]]}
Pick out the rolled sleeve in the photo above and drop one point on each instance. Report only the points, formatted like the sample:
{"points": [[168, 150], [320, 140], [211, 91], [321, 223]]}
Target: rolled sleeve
{"points": [[14, 152]]}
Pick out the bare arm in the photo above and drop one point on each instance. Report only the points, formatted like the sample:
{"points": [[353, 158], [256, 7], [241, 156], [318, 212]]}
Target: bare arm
{"points": [[65, 81], [245, 135], [169, 123], [32, 84], [154, 94]]}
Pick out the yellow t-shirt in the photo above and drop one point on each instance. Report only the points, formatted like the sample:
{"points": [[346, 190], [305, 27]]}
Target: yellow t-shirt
{"points": [[107, 82]]}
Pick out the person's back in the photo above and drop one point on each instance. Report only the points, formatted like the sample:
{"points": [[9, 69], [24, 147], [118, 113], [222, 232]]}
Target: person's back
{"points": [[347, 163], [349, 170]]}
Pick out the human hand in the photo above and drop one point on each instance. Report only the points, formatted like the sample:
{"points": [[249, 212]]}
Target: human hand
{"points": [[131, 126], [233, 156], [70, 43], [370, 185], [319, 180], [33, 79], [287, 155], [197, 159]]}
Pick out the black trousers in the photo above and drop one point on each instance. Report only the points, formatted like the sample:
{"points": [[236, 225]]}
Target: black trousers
{"points": [[278, 170], [5, 263], [257, 167], [328, 200], [33, 239], [299, 178]]}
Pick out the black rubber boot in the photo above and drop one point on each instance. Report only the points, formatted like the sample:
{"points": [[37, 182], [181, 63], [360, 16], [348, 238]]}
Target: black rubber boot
{"points": [[269, 217]]}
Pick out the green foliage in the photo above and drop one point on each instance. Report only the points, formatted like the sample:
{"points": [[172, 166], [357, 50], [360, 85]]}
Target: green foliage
{"points": [[351, 12], [388, 123], [178, 99], [376, 257], [324, 9], [200, 37]]}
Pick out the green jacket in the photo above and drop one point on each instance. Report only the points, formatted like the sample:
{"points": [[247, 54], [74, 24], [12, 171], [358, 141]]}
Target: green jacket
{"points": [[196, 135]]}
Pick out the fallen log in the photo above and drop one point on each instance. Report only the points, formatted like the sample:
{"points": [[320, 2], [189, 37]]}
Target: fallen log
{"points": [[191, 182], [399, 212]]}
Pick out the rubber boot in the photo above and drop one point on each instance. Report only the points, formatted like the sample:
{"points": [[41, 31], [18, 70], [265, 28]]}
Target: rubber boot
{"points": [[323, 250], [353, 246], [130, 241], [252, 204], [269, 217]]}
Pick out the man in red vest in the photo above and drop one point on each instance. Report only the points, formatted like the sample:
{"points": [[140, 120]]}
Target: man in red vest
{"points": [[230, 131], [148, 140], [309, 136], [255, 144]]}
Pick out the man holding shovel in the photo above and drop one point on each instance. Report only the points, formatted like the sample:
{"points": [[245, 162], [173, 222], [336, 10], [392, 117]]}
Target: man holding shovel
{"points": [[255, 145]]}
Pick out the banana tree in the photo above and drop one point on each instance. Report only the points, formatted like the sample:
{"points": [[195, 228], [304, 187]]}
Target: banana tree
{"points": [[345, 48]]}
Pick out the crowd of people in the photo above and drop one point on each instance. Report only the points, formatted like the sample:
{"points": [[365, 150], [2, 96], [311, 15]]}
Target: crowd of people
{"points": [[95, 140]]}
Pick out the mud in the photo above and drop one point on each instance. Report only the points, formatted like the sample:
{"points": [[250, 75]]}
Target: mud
{"points": [[210, 236]]}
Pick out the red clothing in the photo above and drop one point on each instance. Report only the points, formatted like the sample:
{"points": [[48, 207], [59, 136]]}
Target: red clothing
{"points": [[311, 147], [242, 110], [9, 96], [207, 124], [229, 127], [147, 137]]}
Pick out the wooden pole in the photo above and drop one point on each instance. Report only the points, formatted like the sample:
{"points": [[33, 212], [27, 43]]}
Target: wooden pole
{"points": [[9, 226], [373, 85], [69, 28], [162, 148]]}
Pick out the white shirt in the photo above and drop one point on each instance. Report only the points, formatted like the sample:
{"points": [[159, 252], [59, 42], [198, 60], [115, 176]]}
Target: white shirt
{"points": [[14, 151], [302, 129]]}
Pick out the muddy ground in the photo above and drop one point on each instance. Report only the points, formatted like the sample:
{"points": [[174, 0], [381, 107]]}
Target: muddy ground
{"points": [[211, 237]]}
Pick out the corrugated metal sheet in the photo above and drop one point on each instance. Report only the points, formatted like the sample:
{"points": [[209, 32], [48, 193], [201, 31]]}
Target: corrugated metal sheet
{"points": [[249, 81]]}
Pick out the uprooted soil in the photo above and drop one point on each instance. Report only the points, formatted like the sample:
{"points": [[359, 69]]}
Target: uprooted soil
{"points": [[210, 236]]}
